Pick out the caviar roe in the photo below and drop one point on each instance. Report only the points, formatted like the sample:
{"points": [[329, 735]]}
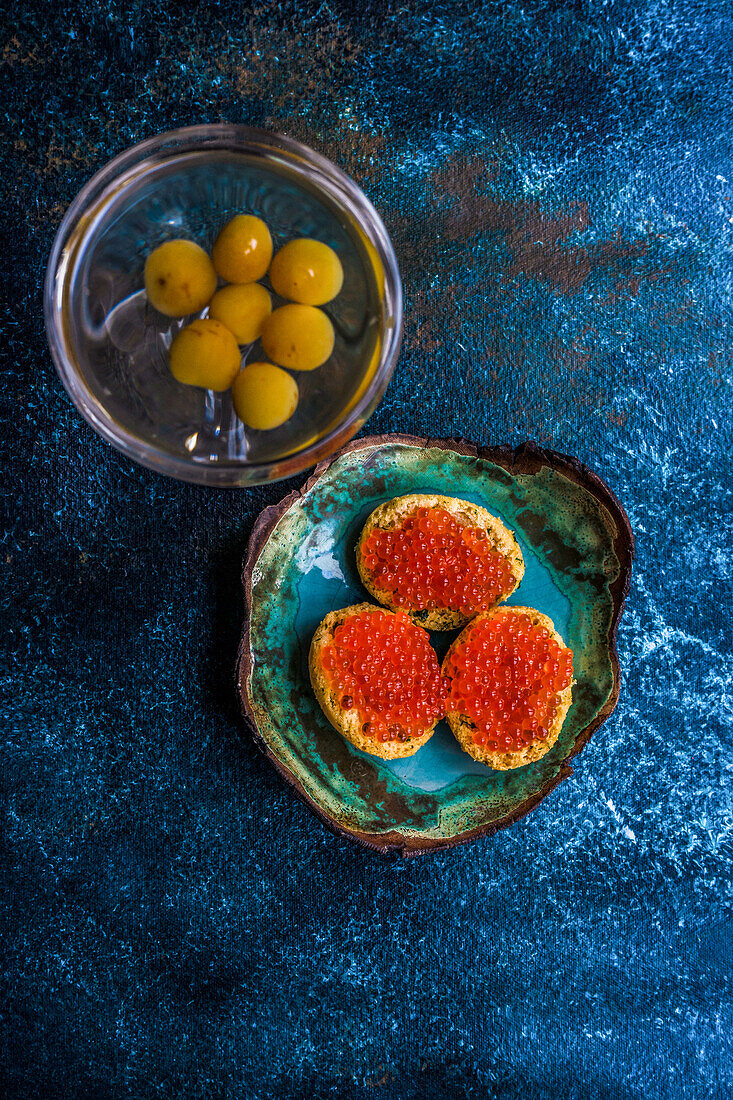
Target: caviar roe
{"points": [[505, 677], [433, 561], [383, 667]]}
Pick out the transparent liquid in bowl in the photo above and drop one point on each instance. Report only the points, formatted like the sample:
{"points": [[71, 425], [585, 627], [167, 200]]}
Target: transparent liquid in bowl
{"points": [[121, 342]]}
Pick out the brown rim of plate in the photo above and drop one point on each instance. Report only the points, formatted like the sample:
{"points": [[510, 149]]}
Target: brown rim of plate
{"points": [[527, 458]]}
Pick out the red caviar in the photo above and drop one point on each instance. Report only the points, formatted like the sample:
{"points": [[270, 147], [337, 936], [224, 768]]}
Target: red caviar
{"points": [[383, 666], [505, 677], [433, 561]]}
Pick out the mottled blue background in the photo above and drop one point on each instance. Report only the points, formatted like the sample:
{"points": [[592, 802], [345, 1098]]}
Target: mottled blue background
{"points": [[558, 181]]}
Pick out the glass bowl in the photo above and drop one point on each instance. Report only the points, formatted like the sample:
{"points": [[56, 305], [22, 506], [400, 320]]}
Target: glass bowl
{"points": [[110, 346]]}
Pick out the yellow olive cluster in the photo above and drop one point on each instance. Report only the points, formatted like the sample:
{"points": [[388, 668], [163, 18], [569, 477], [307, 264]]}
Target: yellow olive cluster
{"points": [[180, 279]]}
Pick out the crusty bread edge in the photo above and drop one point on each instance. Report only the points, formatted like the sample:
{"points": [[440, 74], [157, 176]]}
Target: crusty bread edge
{"points": [[348, 723], [462, 730], [394, 512]]}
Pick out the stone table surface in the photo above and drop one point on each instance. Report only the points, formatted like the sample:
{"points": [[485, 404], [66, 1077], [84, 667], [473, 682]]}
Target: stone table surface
{"points": [[558, 182]]}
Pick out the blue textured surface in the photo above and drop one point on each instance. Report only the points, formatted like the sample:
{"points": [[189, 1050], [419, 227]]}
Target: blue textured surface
{"points": [[558, 181]]}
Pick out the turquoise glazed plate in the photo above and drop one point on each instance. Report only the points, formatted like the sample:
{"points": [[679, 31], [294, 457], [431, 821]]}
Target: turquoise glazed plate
{"points": [[578, 549]]}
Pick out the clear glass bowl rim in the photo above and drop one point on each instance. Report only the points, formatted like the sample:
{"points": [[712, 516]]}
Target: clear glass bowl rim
{"points": [[341, 188]]}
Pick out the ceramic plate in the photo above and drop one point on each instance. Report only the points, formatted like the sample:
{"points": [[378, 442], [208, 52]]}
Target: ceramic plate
{"points": [[577, 547]]}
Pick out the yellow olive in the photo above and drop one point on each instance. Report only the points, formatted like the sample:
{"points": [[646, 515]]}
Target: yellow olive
{"points": [[179, 278], [243, 309], [264, 396], [307, 271], [205, 354], [299, 337], [243, 249]]}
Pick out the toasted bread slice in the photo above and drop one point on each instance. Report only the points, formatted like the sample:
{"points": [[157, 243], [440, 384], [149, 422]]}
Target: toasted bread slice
{"points": [[349, 722], [394, 512], [464, 729]]}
